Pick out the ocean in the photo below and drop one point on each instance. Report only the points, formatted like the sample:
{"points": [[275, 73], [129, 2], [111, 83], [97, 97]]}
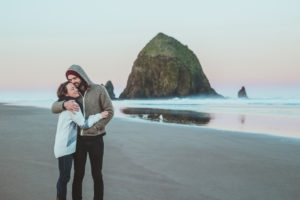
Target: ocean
{"points": [[272, 116]]}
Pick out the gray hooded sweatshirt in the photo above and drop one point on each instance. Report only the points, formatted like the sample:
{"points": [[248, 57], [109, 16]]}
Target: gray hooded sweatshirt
{"points": [[95, 100]]}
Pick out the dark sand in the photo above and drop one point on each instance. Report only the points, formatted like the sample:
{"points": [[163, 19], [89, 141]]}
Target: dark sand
{"points": [[145, 161]]}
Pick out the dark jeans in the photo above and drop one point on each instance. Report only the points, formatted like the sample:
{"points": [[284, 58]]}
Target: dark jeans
{"points": [[94, 146], [64, 166]]}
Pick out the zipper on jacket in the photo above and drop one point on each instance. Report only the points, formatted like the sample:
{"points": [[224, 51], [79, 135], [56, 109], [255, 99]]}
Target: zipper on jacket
{"points": [[83, 105]]}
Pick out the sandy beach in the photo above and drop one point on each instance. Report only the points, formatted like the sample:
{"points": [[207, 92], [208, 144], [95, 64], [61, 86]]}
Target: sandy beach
{"points": [[150, 161]]}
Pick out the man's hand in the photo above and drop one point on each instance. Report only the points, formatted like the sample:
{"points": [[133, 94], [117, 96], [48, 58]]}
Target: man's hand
{"points": [[72, 106], [104, 114]]}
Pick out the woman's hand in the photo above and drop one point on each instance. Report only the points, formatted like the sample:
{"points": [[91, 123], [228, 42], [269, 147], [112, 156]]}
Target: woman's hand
{"points": [[104, 114]]}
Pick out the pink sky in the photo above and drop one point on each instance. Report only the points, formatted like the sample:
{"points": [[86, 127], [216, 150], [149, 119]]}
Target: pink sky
{"points": [[254, 44]]}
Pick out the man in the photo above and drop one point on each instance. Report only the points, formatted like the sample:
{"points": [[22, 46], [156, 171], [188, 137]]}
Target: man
{"points": [[94, 99]]}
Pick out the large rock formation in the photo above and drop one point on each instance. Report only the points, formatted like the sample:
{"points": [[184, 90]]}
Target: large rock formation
{"points": [[166, 68], [242, 93], [110, 89]]}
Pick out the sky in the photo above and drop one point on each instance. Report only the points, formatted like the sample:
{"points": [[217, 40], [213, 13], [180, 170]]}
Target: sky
{"points": [[238, 43]]}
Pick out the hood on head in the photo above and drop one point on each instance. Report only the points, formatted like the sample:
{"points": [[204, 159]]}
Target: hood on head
{"points": [[81, 72]]}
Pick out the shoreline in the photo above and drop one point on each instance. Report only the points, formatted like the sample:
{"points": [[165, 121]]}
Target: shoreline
{"points": [[243, 123], [150, 161]]}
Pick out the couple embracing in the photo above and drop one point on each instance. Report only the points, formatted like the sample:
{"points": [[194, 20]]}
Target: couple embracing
{"points": [[85, 108]]}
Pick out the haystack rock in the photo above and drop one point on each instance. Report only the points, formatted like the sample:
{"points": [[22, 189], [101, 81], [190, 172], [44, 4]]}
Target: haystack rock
{"points": [[242, 93], [166, 68], [110, 89]]}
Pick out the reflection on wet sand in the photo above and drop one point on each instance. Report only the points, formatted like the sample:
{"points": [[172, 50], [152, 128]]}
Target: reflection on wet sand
{"points": [[242, 119], [170, 116]]}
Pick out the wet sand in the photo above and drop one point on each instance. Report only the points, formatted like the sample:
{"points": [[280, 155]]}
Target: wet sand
{"points": [[260, 120], [145, 160]]}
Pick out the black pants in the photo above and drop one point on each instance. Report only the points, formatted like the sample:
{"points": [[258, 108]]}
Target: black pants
{"points": [[64, 166], [94, 146]]}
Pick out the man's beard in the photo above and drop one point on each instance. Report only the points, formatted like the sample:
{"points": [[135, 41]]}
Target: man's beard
{"points": [[77, 85], [81, 86]]}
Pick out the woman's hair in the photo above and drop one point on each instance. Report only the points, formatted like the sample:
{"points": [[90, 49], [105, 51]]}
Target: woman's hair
{"points": [[62, 90]]}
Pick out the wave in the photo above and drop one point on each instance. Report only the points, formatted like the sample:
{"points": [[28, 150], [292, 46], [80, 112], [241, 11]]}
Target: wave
{"points": [[47, 98]]}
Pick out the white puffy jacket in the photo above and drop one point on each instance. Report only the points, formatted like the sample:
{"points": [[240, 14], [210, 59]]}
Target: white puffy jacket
{"points": [[66, 132]]}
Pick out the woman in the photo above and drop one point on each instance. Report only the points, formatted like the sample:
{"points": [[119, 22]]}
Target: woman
{"points": [[66, 135]]}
